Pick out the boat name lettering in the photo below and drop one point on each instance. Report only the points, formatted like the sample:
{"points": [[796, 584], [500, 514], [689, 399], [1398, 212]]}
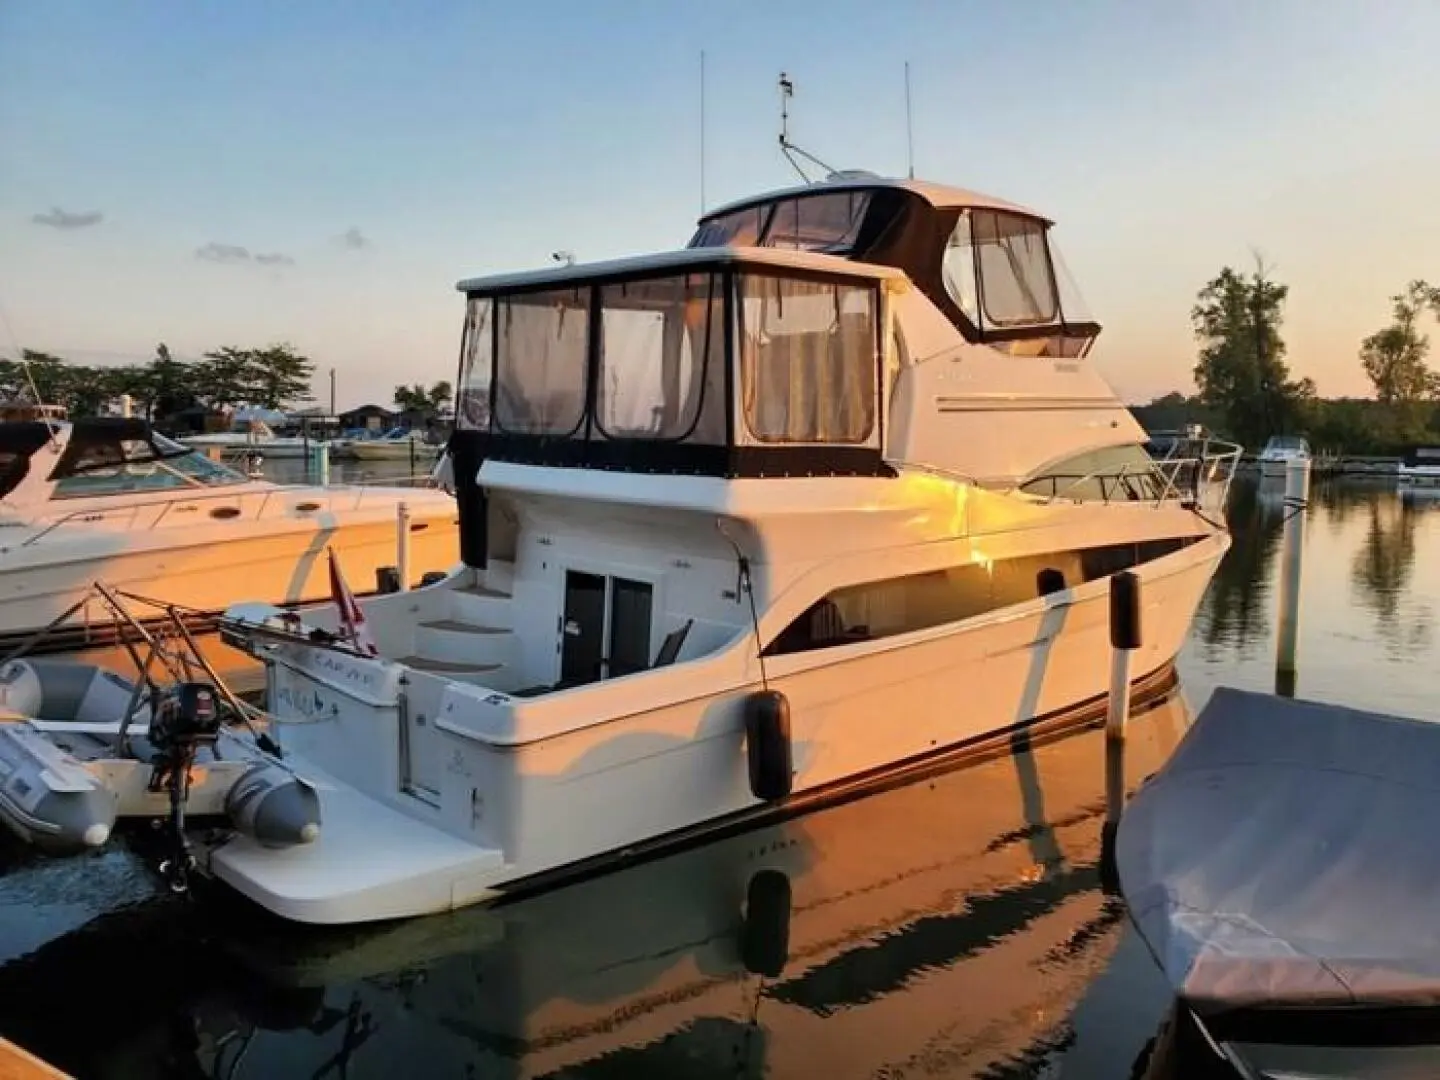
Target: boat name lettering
{"points": [[497, 699], [346, 671]]}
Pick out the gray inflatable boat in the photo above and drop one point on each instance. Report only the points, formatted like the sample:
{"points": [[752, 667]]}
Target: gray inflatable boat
{"points": [[65, 778]]}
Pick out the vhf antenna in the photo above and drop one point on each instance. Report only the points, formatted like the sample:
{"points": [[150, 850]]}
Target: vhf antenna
{"points": [[788, 148]]}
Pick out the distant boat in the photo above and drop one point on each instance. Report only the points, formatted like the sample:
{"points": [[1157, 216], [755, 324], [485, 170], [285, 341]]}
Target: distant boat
{"points": [[1420, 468], [254, 435], [397, 444], [110, 499], [1279, 451]]}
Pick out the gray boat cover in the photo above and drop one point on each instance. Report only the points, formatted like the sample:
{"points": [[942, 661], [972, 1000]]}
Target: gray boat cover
{"points": [[1288, 856]]}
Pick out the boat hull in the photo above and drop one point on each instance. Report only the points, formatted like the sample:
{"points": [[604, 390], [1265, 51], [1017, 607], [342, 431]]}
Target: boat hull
{"points": [[207, 573], [495, 815]]}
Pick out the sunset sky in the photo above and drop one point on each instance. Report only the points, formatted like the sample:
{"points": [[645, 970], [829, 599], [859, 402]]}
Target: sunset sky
{"points": [[323, 173]]}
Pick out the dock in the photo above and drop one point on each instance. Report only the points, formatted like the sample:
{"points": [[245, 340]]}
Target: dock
{"points": [[19, 1064]]}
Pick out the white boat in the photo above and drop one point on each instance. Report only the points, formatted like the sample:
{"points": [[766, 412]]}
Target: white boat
{"points": [[398, 444], [1279, 451], [732, 519], [110, 500], [254, 435], [1420, 469]]}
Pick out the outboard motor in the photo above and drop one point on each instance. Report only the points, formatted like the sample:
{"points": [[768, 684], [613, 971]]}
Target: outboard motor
{"points": [[186, 718]]}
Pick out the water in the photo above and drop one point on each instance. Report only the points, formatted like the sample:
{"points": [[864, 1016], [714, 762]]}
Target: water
{"points": [[952, 927]]}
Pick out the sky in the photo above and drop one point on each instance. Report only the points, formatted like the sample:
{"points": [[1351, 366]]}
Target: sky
{"points": [[210, 174]]}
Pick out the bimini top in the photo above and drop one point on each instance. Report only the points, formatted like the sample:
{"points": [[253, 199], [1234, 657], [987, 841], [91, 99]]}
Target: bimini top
{"points": [[990, 266], [940, 196], [648, 265]]}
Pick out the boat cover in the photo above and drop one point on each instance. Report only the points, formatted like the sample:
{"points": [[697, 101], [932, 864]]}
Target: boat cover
{"points": [[1288, 856]]}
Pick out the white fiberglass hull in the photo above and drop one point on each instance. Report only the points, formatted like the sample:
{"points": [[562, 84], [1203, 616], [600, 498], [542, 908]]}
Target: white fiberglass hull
{"points": [[210, 566], [390, 450], [1277, 467], [487, 813]]}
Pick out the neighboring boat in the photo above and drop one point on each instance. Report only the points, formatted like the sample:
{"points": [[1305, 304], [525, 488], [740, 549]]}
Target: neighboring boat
{"points": [[110, 500], [731, 517], [1420, 468], [397, 444], [1280, 867], [254, 435], [1280, 451]]}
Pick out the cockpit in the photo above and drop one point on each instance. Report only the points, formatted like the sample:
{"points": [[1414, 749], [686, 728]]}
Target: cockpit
{"points": [[991, 267]]}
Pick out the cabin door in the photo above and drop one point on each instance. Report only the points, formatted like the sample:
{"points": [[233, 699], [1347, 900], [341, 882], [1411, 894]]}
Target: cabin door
{"points": [[605, 631], [582, 629]]}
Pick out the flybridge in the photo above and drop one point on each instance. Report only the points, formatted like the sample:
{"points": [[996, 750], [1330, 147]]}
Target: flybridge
{"points": [[717, 362]]}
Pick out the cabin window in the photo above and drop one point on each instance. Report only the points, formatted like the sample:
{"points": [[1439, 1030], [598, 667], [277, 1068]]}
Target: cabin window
{"points": [[542, 343], [740, 229], [477, 354], [914, 602], [1110, 474], [662, 359], [958, 269], [997, 270], [1014, 270], [808, 356], [818, 222]]}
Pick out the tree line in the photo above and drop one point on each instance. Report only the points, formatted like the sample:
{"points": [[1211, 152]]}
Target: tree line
{"points": [[273, 377], [1246, 391]]}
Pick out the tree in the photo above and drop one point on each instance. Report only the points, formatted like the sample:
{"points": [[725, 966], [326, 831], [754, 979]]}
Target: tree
{"points": [[1394, 358], [418, 399], [1241, 371], [274, 377]]}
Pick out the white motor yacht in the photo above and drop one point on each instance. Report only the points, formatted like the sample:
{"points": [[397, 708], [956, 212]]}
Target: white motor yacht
{"points": [[733, 518], [1280, 450], [109, 500]]}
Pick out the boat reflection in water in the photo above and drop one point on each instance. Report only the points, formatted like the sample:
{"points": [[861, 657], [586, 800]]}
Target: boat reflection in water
{"points": [[942, 928]]}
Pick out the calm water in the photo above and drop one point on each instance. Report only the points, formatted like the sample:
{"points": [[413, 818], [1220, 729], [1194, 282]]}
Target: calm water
{"points": [[954, 927]]}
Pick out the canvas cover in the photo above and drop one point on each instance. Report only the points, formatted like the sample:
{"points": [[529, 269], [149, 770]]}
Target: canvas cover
{"points": [[1288, 856]]}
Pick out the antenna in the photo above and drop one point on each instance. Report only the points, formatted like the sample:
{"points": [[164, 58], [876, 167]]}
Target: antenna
{"points": [[702, 132], [788, 148], [909, 129]]}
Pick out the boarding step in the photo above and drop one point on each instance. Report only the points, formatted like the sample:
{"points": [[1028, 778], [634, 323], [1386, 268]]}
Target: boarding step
{"points": [[480, 605], [459, 642], [477, 674]]}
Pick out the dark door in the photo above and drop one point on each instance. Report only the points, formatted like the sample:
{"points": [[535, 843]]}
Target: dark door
{"points": [[582, 629], [630, 606]]}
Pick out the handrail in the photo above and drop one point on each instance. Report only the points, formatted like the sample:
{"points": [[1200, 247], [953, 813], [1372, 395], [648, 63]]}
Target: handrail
{"points": [[232, 493]]}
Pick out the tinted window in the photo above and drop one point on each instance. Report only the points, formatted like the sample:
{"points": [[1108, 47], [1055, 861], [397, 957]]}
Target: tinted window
{"points": [[902, 605]]}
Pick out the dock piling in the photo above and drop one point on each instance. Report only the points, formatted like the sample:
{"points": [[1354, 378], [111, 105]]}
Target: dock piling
{"points": [[1125, 638], [402, 545], [1297, 498]]}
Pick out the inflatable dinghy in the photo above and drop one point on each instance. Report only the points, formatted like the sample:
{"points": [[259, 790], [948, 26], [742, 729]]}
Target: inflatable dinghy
{"points": [[67, 776]]}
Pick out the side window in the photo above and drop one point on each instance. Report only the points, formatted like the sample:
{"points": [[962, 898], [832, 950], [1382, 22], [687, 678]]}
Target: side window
{"points": [[1111, 474], [808, 360], [958, 270]]}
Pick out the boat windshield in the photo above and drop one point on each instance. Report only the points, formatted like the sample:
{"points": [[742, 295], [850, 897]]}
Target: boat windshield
{"points": [[1288, 442], [125, 457]]}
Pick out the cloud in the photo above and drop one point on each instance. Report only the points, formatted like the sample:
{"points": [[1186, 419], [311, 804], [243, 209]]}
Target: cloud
{"points": [[234, 254], [57, 218], [354, 239]]}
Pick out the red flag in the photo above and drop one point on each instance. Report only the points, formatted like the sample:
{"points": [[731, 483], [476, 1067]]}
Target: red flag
{"points": [[352, 619]]}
